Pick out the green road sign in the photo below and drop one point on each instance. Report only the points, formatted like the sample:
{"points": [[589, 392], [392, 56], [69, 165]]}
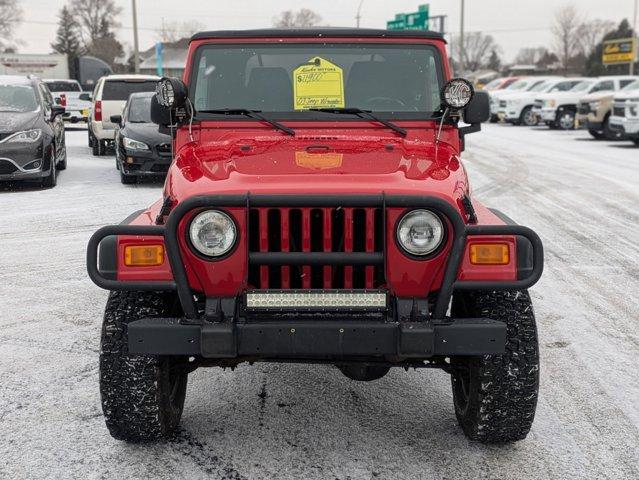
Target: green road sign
{"points": [[410, 21]]}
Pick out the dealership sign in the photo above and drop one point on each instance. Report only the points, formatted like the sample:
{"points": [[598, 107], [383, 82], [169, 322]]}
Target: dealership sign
{"points": [[621, 50]]}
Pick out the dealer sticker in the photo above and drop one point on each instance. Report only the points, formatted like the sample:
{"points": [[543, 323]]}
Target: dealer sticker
{"points": [[318, 84]]}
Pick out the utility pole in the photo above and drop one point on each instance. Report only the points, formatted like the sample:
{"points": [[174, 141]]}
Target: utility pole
{"points": [[136, 45], [634, 34], [359, 12], [461, 39]]}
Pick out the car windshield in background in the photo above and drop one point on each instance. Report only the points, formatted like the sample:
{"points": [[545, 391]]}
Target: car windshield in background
{"points": [[632, 86], [564, 86], [17, 98], [518, 85], [581, 86], [541, 87], [120, 89], [140, 110], [291, 79], [63, 87]]}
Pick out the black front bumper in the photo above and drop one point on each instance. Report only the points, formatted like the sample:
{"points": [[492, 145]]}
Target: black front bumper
{"points": [[318, 339], [144, 163]]}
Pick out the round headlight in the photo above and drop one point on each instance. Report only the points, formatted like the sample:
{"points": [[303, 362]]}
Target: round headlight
{"points": [[212, 233], [457, 93], [420, 232], [171, 92]]}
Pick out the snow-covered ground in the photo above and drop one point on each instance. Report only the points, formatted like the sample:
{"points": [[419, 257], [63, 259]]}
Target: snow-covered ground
{"points": [[297, 422]]}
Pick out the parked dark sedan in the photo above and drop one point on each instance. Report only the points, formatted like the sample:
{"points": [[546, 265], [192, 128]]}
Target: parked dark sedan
{"points": [[32, 142], [140, 149]]}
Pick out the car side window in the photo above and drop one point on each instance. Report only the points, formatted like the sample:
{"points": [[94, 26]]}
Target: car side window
{"points": [[47, 98], [623, 83], [605, 85]]}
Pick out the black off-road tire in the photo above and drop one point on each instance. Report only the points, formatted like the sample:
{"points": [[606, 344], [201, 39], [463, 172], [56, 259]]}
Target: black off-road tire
{"points": [[127, 179], [142, 395], [51, 180], [596, 135], [635, 141], [62, 163], [495, 396], [527, 117]]}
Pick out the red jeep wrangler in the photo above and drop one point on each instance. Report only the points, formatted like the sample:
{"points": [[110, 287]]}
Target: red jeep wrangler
{"points": [[317, 211]]}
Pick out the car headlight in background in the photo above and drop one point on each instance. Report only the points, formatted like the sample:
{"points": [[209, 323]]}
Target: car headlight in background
{"points": [[632, 109], [420, 232], [593, 106], [551, 103], [134, 144], [212, 233], [27, 136]]}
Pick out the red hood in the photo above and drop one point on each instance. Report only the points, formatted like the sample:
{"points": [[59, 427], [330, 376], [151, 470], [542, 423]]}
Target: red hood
{"points": [[361, 162]]}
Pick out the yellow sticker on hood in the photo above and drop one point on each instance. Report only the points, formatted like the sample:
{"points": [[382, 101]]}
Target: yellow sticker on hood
{"points": [[318, 161], [318, 84]]}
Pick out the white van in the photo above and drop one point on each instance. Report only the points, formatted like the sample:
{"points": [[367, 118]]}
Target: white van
{"points": [[109, 98]]}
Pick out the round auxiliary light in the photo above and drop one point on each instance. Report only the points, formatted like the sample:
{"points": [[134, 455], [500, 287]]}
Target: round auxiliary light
{"points": [[420, 232], [171, 92], [457, 93], [212, 233]]}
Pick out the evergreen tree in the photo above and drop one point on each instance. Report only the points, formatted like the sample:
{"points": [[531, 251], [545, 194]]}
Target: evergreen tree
{"points": [[494, 62], [594, 64], [67, 39]]}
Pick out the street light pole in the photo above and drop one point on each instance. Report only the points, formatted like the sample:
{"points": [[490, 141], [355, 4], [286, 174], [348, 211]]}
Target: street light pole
{"points": [[634, 30], [359, 11], [461, 38], [136, 45]]}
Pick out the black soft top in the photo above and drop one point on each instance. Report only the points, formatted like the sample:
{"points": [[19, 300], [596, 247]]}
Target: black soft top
{"points": [[319, 32]]}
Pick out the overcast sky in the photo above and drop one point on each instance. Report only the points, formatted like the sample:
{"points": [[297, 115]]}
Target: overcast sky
{"points": [[514, 23]]}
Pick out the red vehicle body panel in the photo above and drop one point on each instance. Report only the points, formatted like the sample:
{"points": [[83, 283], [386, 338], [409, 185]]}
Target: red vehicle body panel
{"points": [[324, 157]]}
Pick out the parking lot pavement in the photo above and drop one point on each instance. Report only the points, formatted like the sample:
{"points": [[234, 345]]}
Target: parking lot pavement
{"points": [[287, 421]]}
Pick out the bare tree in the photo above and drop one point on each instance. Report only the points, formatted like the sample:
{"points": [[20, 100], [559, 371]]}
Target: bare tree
{"points": [[94, 16], [591, 33], [171, 32], [10, 18], [478, 49], [300, 19], [566, 30], [530, 55]]}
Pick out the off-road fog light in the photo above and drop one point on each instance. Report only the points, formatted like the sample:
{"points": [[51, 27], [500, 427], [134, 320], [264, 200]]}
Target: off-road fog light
{"points": [[489, 254], [316, 300], [143, 255], [420, 232], [212, 233]]}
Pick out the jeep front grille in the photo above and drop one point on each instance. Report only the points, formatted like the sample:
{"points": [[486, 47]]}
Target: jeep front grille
{"points": [[316, 230]]}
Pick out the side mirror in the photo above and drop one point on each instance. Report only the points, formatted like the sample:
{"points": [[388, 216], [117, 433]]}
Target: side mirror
{"points": [[56, 111], [117, 119], [478, 110], [85, 97]]}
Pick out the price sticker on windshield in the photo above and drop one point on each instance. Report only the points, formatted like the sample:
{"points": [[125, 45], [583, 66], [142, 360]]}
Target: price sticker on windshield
{"points": [[318, 84]]}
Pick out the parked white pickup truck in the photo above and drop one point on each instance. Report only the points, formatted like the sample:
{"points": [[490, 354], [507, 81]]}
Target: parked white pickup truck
{"points": [[559, 109], [68, 94], [517, 107], [522, 85], [625, 114]]}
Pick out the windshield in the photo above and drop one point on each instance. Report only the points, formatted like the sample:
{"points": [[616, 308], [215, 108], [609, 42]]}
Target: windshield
{"points": [[288, 80], [493, 84], [541, 87], [632, 86], [140, 109], [564, 86], [518, 85], [17, 98], [581, 86], [120, 89], [62, 86]]}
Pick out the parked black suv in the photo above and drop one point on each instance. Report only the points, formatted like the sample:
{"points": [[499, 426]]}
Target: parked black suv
{"points": [[140, 150], [32, 142]]}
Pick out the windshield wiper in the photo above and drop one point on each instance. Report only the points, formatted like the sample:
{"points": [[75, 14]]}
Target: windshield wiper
{"points": [[362, 114], [253, 114]]}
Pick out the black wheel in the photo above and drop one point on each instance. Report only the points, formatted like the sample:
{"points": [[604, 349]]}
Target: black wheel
{"points": [[363, 373], [101, 147], [609, 133], [62, 163], [528, 117], [565, 120], [635, 141], [95, 147], [91, 138], [51, 179], [494, 119], [127, 179], [142, 395], [495, 396], [596, 134]]}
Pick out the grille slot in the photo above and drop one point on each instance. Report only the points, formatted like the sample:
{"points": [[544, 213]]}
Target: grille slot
{"points": [[619, 111], [7, 167], [316, 230]]}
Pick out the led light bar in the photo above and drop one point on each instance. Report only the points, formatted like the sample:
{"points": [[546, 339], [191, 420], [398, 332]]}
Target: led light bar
{"points": [[317, 300]]}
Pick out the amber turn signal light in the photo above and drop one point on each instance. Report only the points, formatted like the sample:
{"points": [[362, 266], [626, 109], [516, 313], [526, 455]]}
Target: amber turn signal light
{"points": [[489, 254], [143, 255]]}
